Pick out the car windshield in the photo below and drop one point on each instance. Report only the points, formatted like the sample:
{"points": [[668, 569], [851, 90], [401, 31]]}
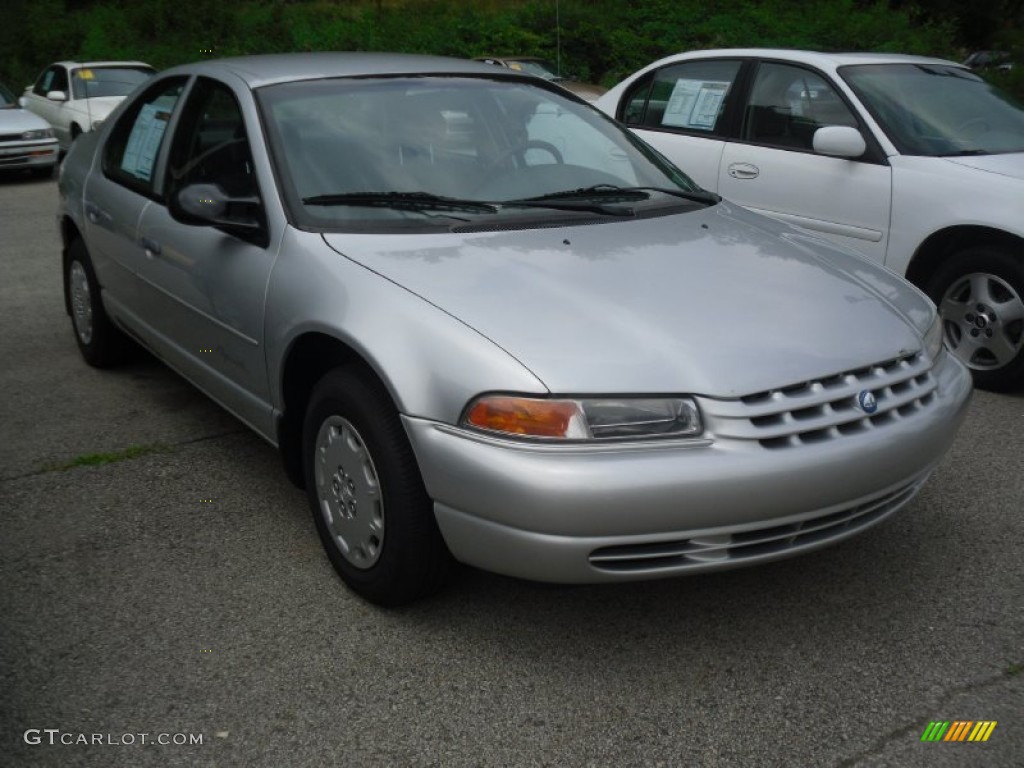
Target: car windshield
{"points": [[536, 67], [938, 110], [7, 100], [89, 82], [393, 153]]}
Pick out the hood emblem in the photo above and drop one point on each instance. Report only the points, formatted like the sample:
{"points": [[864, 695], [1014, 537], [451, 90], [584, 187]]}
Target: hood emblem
{"points": [[867, 402]]}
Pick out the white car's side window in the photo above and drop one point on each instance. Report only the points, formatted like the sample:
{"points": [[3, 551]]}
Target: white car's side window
{"points": [[788, 104], [690, 97]]}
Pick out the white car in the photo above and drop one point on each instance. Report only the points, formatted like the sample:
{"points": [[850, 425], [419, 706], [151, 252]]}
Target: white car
{"points": [[74, 97], [26, 140], [916, 162]]}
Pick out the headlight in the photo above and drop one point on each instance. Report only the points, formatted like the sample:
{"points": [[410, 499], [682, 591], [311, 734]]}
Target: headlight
{"points": [[585, 419], [933, 338], [42, 133]]}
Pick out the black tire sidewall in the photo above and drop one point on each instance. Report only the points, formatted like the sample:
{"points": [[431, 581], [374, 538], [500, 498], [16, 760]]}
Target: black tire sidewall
{"points": [[994, 261], [412, 551], [106, 345]]}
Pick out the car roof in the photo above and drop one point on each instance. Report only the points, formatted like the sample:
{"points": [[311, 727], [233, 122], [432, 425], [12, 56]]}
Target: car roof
{"points": [[99, 64], [819, 59], [267, 69]]}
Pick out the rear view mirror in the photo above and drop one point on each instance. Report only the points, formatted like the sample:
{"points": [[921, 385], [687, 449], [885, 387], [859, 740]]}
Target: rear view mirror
{"points": [[839, 141]]}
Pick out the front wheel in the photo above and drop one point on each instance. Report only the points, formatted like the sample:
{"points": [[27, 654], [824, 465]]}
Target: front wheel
{"points": [[365, 491], [980, 294]]}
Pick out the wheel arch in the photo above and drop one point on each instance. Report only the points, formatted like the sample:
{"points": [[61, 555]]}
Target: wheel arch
{"points": [[945, 242], [309, 357]]}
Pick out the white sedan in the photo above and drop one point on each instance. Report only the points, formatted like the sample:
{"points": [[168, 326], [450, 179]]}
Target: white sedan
{"points": [[75, 97], [916, 162], [26, 141]]}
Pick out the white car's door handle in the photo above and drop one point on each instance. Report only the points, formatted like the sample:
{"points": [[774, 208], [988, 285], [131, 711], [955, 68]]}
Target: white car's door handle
{"points": [[744, 171]]}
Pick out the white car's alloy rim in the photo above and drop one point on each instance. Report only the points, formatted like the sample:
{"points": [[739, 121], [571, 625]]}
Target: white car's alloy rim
{"points": [[81, 302], [349, 492], [983, 318]]}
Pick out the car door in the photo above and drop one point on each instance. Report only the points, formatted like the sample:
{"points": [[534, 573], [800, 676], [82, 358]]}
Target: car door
{"points": [[121, 185], [206, 287], [685, 110], [54, 78], [773, 168]]}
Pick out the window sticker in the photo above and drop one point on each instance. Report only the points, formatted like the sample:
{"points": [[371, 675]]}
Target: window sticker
{"points": [[85, 74], [695, 104], [144, 141]]}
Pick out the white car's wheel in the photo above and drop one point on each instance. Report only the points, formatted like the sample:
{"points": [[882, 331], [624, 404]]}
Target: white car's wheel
{"points": [[980, 294]]}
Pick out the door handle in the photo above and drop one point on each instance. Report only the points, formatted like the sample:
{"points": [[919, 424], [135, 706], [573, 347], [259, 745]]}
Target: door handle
{"points": [[152, 247], [744, 171], [95, 214]]}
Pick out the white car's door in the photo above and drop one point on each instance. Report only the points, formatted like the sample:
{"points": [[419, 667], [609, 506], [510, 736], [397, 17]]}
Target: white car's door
{"points": [[683, 111], [773, 168], [54, 78]]}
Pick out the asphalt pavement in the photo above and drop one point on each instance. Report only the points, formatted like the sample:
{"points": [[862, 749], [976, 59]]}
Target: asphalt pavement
{"points": [[174, 590]]}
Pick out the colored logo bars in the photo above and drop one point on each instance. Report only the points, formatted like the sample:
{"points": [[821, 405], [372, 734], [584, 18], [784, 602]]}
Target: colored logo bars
{"points": [[958, 730]]}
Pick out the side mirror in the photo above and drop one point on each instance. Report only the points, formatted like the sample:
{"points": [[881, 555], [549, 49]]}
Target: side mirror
{"points": [[56, 96], [839, 141], [210, 205]]}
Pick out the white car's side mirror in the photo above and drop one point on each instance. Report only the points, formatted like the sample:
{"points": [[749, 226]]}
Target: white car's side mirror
{"points": [[56, 96], [839, 141]]}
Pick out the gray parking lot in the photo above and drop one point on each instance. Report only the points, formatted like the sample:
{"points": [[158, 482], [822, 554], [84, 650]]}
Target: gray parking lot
{"points": [[160, 576]]}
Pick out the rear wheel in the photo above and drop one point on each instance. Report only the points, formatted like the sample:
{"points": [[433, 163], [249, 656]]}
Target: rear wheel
{"points": [[980, 294], [99, 340], [365, 491]]}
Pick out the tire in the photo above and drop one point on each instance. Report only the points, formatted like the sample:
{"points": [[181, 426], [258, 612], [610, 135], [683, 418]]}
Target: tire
{"points": [[101, 343], [980, 293], [365, 491]]}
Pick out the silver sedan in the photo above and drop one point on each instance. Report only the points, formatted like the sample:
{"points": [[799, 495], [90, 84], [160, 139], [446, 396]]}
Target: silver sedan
{"points": [[484, 323]]}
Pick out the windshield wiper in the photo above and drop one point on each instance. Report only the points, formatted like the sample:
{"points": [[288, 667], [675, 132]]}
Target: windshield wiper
{"points": [[611, 191], [570, 205], [410, 201]]}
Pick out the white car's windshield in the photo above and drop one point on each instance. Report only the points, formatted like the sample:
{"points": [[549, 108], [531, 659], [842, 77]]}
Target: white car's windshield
{"points": [[392, 150], [89, 82], [937, 110], [7, 100]]}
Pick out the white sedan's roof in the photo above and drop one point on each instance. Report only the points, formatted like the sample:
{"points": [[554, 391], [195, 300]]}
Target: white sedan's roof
{"points": [[814, 58]]}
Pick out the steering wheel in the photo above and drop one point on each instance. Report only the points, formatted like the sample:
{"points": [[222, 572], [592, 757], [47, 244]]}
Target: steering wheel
{"points": [[521, 149]]}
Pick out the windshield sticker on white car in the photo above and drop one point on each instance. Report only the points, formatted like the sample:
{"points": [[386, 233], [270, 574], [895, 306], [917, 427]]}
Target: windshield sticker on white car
{"points": [[144, 141], [695, 104]]}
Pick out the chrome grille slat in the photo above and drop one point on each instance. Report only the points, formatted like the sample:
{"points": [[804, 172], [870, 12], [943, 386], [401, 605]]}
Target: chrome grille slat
{"points": [[693, 553], [825, 409]]}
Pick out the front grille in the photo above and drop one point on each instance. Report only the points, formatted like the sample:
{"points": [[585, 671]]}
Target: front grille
{"points": [[722, 549], [826, 409], [10, 137]]}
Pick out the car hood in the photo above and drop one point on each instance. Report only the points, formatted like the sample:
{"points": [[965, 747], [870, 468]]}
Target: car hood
{"points": [[20, 120], [719, 302], [1011, 164], [99, 107]]}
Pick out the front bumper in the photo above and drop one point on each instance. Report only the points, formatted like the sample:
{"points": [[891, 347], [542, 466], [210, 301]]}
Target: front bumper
{"points": [[34, 154], [613, 513]]}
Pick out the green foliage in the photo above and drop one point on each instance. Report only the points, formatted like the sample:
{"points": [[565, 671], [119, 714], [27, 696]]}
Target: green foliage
{"points": [[600, 40]]}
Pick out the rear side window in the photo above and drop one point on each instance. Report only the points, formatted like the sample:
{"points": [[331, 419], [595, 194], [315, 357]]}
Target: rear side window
{"points": [[131, 152], [691, 97]]}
